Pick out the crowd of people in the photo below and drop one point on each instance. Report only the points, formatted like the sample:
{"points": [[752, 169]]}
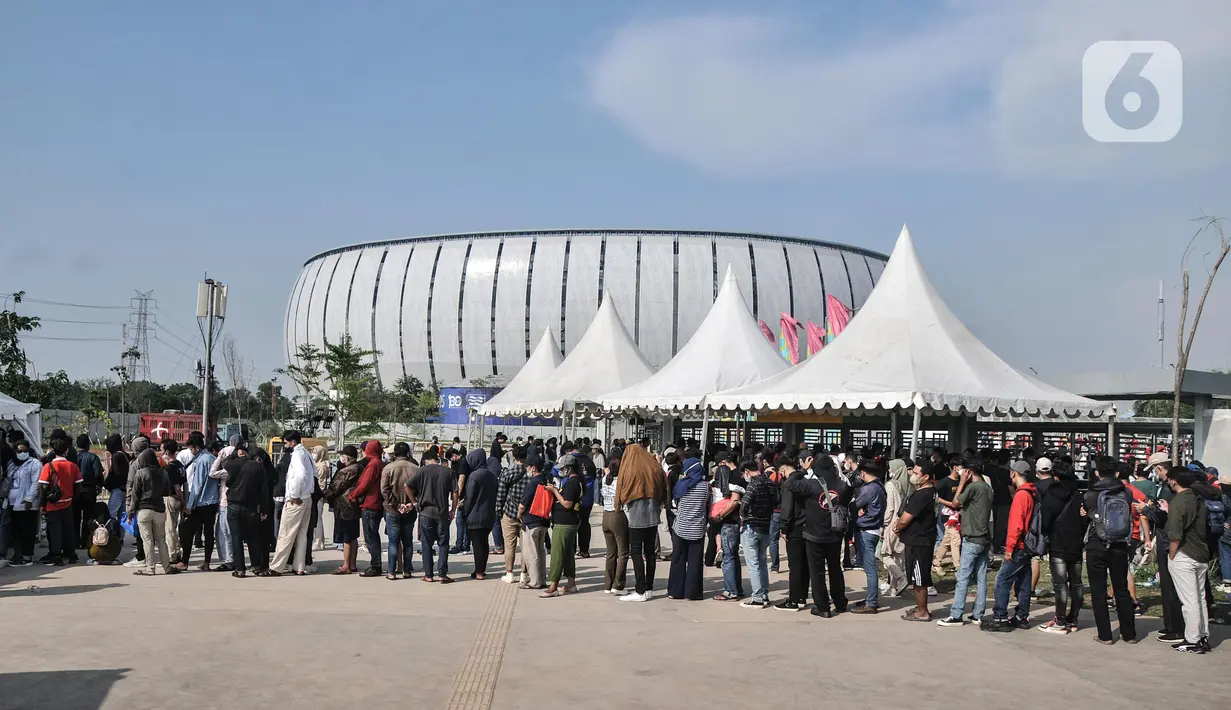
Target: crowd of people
{"points": [[899, 520]]}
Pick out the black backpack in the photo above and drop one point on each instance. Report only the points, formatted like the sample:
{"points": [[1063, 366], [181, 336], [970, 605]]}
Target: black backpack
{"points": [[1036, 541], [52, 493]]}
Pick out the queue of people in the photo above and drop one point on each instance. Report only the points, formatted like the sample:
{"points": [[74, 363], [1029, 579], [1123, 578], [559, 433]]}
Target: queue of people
{"points": [[831, 510]]}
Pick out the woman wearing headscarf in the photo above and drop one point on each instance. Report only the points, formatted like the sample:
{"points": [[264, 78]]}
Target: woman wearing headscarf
{"points": [[346, 512], [480, 506], [893, 552], [641, 493], [691, 497], [367, 494], [320, 457]]}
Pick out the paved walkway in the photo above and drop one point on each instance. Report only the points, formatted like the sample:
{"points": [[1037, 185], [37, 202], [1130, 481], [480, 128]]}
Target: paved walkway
{"points": [[98, 637]]}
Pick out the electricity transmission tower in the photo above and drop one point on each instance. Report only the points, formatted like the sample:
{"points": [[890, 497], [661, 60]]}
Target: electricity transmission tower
{"points": [[142, 320]]}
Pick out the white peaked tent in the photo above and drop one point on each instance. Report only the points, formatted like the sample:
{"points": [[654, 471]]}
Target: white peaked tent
{"points": [[906, 349], [27, 417], [604, 360], [530, 379], [727, 350]]}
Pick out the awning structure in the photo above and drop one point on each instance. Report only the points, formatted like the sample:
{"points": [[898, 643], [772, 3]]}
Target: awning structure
{"points": [[605, 360], [27, 417], [906, 349], [530, 379], [727, 350]]}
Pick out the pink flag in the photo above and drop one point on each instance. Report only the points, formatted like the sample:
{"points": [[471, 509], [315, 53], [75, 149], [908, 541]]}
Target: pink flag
{"points": [[816, 338], [839, 316], [788, 339], [769, 334]]}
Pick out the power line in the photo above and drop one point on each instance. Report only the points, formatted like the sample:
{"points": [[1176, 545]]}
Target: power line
{"points": [[171, 347], [83, 340], [79, 322], [26, 299]]}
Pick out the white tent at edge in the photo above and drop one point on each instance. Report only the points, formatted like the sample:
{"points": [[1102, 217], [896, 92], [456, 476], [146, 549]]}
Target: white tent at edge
{"points": [[905, 349], [727, 350], [529, 379], [604, 360], [27, 417]]}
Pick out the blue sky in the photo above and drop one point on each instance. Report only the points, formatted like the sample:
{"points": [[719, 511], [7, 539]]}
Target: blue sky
{"points": [[142, 145]]}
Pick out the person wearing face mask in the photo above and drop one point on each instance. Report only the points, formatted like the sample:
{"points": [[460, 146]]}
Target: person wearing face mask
{"points": [[22, 502], [346, 522], [1014, 575], [174, 500], [1155, 510], [916, 528]]}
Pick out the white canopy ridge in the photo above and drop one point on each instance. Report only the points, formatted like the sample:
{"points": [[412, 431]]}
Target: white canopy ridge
{"points": [[727, 350], [530, 378], [906, 348], [604, 360]]}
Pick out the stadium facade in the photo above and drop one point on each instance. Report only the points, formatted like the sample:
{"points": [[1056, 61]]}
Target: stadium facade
{"points": [[453, 308]]}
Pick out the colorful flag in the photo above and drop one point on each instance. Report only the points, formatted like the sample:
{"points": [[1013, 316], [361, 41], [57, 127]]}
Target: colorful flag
{"points": [[788, 339], [816, 339], [839, 317], [769, 334]]}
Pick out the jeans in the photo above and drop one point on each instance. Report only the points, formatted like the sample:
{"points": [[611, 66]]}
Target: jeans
{"points": [[400, 527], [755, 546], [434, 533], [497, 535], [732, 578], [463, 534], [371, 534], [1100, 566], [866, 541], [115, 504], [775, 532], [222, 534], [1066, 584], [973, 564], [1014, 577], [1224, 555]]}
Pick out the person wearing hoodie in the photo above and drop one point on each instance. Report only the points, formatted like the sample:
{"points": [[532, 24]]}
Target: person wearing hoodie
{"points": [[1065, 529], [869, 508], [297, 490], [1107, 555], [893, 552], [176, 478], [201, 507], [480, 506], [821, 491], [691, 496], [1014, 575], [146, 503], [400, 513], [367, 494], [1207, 489], [247, 504]]}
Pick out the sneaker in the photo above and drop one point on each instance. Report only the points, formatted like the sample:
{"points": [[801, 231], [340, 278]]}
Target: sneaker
{"points": [[1054, 627], [91, 561], [371, 572], [1197, 648], [634, 597], [4, 563], [134, 563], [72, 559], [311, 569], [997, 626], [508, 578], [755, 603], [649, 594], [1205, 643], [932, 591], [1019, 623], [946, 622], [1139, 609], [788, 605], [972, 619], [1170, 638]]}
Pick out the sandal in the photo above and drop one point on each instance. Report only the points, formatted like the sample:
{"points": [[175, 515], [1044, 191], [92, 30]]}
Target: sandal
{"points": [[549, 595], [724, 598], [570, 589], [910, 616], [429, 579], [391, 577], [527, 585], [341, 570], [143, 573]]}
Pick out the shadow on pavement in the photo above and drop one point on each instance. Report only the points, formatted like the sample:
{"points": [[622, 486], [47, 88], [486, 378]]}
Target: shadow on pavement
{"points": [[32, 590], [63, 690]]}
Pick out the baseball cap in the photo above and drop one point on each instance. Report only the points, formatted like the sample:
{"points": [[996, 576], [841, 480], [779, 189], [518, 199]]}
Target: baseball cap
{"points": [[566, 460], [1043, 464], [1022, 467], [1158, 457]]}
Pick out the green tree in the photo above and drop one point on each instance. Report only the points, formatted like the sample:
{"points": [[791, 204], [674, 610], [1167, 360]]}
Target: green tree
{"points": [[353, 392], [13, 361], [184, 396], [306, 372]]}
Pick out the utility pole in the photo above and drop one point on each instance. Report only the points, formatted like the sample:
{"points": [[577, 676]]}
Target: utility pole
{"points": [[1162, 360], [211, 312]]}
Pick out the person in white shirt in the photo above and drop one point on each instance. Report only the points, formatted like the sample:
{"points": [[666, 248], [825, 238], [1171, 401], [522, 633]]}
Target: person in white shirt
{"points": [[297, 510]]}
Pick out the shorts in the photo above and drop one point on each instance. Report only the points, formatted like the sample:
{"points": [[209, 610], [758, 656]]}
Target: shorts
{"points": [[347, 531], [1138, 555], [919, 565]]}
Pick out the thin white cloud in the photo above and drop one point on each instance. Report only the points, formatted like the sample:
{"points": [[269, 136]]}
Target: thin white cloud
{"points": [[981, 87]]}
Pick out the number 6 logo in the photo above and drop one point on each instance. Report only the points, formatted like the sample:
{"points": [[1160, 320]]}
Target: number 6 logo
{"points": [[1132, 91]]}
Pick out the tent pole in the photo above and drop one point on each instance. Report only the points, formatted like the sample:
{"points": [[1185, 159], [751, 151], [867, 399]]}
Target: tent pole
{"points": [[894, 432], [705, 431], [914, 438]]}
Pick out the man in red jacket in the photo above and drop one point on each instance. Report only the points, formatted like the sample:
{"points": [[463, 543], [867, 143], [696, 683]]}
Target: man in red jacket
{"points": [[367, 494], [1014, 573]]}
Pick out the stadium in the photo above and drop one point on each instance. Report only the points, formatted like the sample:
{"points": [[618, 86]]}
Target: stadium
{"points": [[455, 308]]}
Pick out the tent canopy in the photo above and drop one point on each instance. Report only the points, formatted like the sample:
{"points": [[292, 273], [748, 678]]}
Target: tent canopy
{"points": [[728, 350], [529, 379], [27, 417], [604, 360], [905, 348]]}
